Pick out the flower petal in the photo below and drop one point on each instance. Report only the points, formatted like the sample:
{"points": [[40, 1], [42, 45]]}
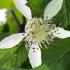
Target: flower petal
{"points": [[35, 55], [52, 8], [11, 40], [24, 9], [3, 15], [61, 33]]}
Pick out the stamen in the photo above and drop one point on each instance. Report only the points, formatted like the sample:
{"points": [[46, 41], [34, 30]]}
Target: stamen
{"points": [[39, 31], [33, 48]]}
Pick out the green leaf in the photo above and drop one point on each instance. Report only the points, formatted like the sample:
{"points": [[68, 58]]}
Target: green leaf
{"points": [[37, 7], [55, 53], [66, 61], [11, 69], [43, 67], [57, 66], [13, 57]]}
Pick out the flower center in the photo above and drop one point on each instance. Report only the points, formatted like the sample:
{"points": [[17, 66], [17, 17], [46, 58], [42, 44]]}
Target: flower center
{"points": [[38, 29]]}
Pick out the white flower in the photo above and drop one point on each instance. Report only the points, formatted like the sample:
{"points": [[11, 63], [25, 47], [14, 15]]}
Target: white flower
{"points": [[3, 14], [37, 30]]}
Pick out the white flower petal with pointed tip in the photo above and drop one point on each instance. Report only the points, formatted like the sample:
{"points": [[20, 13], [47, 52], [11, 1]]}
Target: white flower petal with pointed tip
{"points": [[35, 55], [52, 8], [3, 15], [23, 8], [11, 40], [61, 33]]}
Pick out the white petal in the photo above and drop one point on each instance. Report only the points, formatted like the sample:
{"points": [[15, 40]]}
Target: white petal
{"points": [[35, 55], [52, 9], [23, 1], [61, 33], [24, 9], [3, 15], [11, 40]]}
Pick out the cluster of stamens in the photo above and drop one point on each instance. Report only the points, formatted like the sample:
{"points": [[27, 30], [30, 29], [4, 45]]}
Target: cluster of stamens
{"points": [[39, 30]]}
